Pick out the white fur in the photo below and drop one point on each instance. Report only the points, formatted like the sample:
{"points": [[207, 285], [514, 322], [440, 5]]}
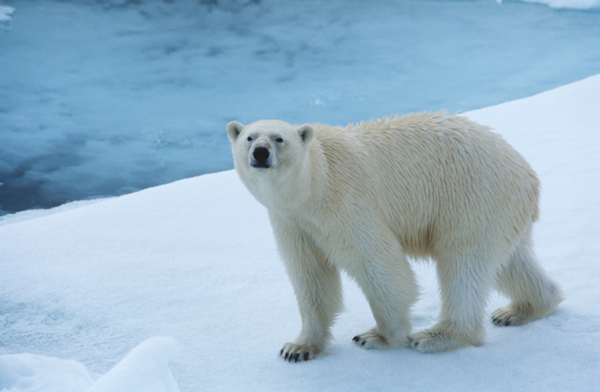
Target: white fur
{"points": [[365, 197]]}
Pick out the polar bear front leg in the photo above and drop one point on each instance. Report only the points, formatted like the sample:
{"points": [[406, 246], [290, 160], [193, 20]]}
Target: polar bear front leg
{"points": [[464, 286], [318, 288], [388, 283]]}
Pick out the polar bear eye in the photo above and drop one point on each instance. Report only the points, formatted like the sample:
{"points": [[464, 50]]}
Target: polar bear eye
{"points": [[249, 138], [279, 140]]}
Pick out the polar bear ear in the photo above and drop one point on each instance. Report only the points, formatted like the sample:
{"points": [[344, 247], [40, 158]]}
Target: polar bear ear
{"points": [[306, 133], [234, 129]]}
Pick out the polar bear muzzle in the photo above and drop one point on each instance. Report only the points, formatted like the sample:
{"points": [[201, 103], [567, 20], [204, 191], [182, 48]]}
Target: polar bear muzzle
{"points": [[260, 158]]}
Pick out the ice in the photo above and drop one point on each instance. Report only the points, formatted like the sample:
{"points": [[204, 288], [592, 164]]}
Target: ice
{"points": [[568, 4], [103, 98], [38, 373], [144, 369], [5, 13], [5, 16], [196, 260]]}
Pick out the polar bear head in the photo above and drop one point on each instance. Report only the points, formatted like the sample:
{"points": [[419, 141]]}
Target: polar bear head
{"points": [[268, 145], [272, 159]]}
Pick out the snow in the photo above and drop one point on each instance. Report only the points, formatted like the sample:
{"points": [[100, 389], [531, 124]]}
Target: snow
{"points": [[106, 97], [144, 369], [568, 4], [28, 372], [195, 261]]}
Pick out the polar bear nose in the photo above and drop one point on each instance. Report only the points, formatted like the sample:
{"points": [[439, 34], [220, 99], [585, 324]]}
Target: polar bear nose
{"points": [[261, 154]]}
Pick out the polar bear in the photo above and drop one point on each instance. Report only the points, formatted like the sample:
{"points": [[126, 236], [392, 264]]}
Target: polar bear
{"points": [[363, 198]]}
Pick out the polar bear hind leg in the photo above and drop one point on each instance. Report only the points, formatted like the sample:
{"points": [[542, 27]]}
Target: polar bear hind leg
{"points": [[532, 293]]}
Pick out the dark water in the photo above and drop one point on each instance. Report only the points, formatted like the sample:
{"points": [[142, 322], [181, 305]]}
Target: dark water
{"points": [[102, 98]]}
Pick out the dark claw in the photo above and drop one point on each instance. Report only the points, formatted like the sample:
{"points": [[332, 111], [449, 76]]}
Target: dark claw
{"points": [[281, 352], [286, 355], [416, 344], [296, 357], [306, 356], [355, 339], [363, 343], [508, 323]]}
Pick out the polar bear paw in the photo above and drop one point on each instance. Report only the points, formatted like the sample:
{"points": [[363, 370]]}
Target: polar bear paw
{"points": [[509, 316], [371, 340], [299, 352], [435, 340]]}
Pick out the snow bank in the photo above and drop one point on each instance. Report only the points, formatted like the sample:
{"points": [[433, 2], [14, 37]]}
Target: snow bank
{"points": [[196, 260], [144, 369], [32, 373], [568, 4], [572, 4]]}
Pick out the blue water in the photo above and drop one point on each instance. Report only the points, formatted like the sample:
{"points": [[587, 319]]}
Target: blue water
{"points": [[101, 98]]}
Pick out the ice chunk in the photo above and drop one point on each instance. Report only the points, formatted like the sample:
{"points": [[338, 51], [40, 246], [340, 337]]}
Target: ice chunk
{"points": [[32, 373], [5, 13], [144, 369]]}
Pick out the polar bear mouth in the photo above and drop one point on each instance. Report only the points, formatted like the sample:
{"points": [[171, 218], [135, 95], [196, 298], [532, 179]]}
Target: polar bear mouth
{"points": [[260, 165]]}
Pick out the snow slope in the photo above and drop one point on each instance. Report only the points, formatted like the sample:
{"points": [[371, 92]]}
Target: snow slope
{"points": [[195, 260]]}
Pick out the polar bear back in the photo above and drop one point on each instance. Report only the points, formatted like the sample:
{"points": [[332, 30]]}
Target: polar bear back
{"points": [[440, 182]]}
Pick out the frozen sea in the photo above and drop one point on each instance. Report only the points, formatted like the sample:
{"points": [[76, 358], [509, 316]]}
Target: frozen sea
{"points": [[103, 98]]}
